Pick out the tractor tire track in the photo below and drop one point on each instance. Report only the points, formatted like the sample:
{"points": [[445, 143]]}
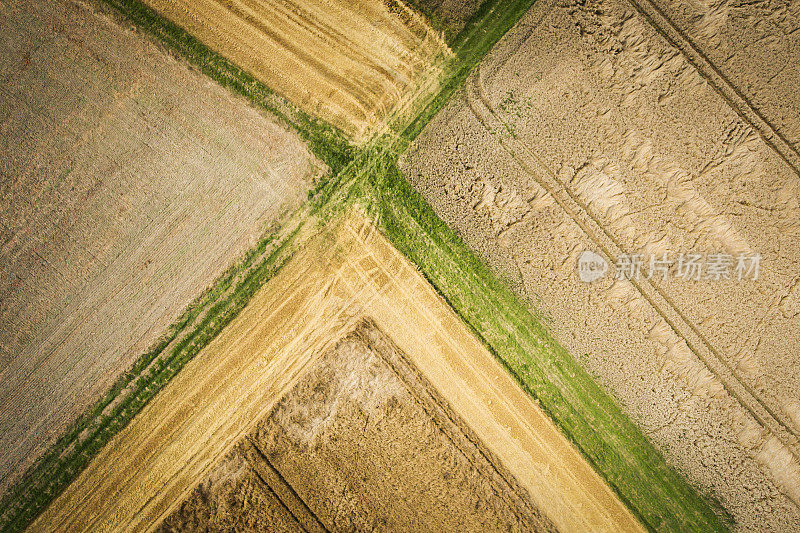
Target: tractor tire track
{"points": [[737, 100]]}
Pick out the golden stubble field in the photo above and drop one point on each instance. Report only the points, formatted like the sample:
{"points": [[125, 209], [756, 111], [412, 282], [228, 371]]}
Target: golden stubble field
{"points": [[587, 129], [361, 442], [347, 273], [128, 184], [353, 64]]}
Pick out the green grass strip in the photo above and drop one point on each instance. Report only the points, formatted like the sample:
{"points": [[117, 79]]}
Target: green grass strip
{"points": [[487, 26]]}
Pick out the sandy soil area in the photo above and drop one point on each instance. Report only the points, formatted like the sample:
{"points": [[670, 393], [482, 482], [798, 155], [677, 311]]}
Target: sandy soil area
{"points": [[754, 47], [341, 277], [587, 130], [128, 184], [350, 63], [361, 447]]}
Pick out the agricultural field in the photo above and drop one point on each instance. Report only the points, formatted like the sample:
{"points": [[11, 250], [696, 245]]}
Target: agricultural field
{"points": [[586, 129], [346, 266], [360, 443], [453, 15], [750, 51], [353, 64], [129, 184]]}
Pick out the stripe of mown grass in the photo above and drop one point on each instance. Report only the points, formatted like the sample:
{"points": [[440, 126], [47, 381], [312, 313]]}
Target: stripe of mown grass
{"points": [[658, 495]]}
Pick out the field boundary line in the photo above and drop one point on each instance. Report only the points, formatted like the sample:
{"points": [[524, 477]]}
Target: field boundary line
{"points": [[358, 177], [737, 100], [447, 420], [345, 274]]}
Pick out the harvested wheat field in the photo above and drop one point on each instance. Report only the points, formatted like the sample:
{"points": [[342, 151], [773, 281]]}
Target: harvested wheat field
{"points": [[360, 443], [586, 129], [290, 373], [129, 183], [353, 64]]}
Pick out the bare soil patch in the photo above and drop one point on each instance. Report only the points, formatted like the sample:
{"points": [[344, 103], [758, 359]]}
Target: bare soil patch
{"points": [[128, 184], [755, 45]]}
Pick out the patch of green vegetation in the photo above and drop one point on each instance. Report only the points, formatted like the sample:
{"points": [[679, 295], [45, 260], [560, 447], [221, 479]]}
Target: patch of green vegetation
{"points": [[660, 497], [436, 21]]}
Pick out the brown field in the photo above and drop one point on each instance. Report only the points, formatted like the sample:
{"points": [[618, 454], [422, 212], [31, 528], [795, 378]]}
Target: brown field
{"points": [[360, 443], [353, 64], [586, 129], [348, 273], [750, 46], [128, 184]]}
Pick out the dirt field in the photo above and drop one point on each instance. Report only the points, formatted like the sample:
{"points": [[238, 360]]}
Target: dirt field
{"points": [[586, 130], [358, 446], [351, 64], [144, 474], [752, 46], [128, 184]]}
